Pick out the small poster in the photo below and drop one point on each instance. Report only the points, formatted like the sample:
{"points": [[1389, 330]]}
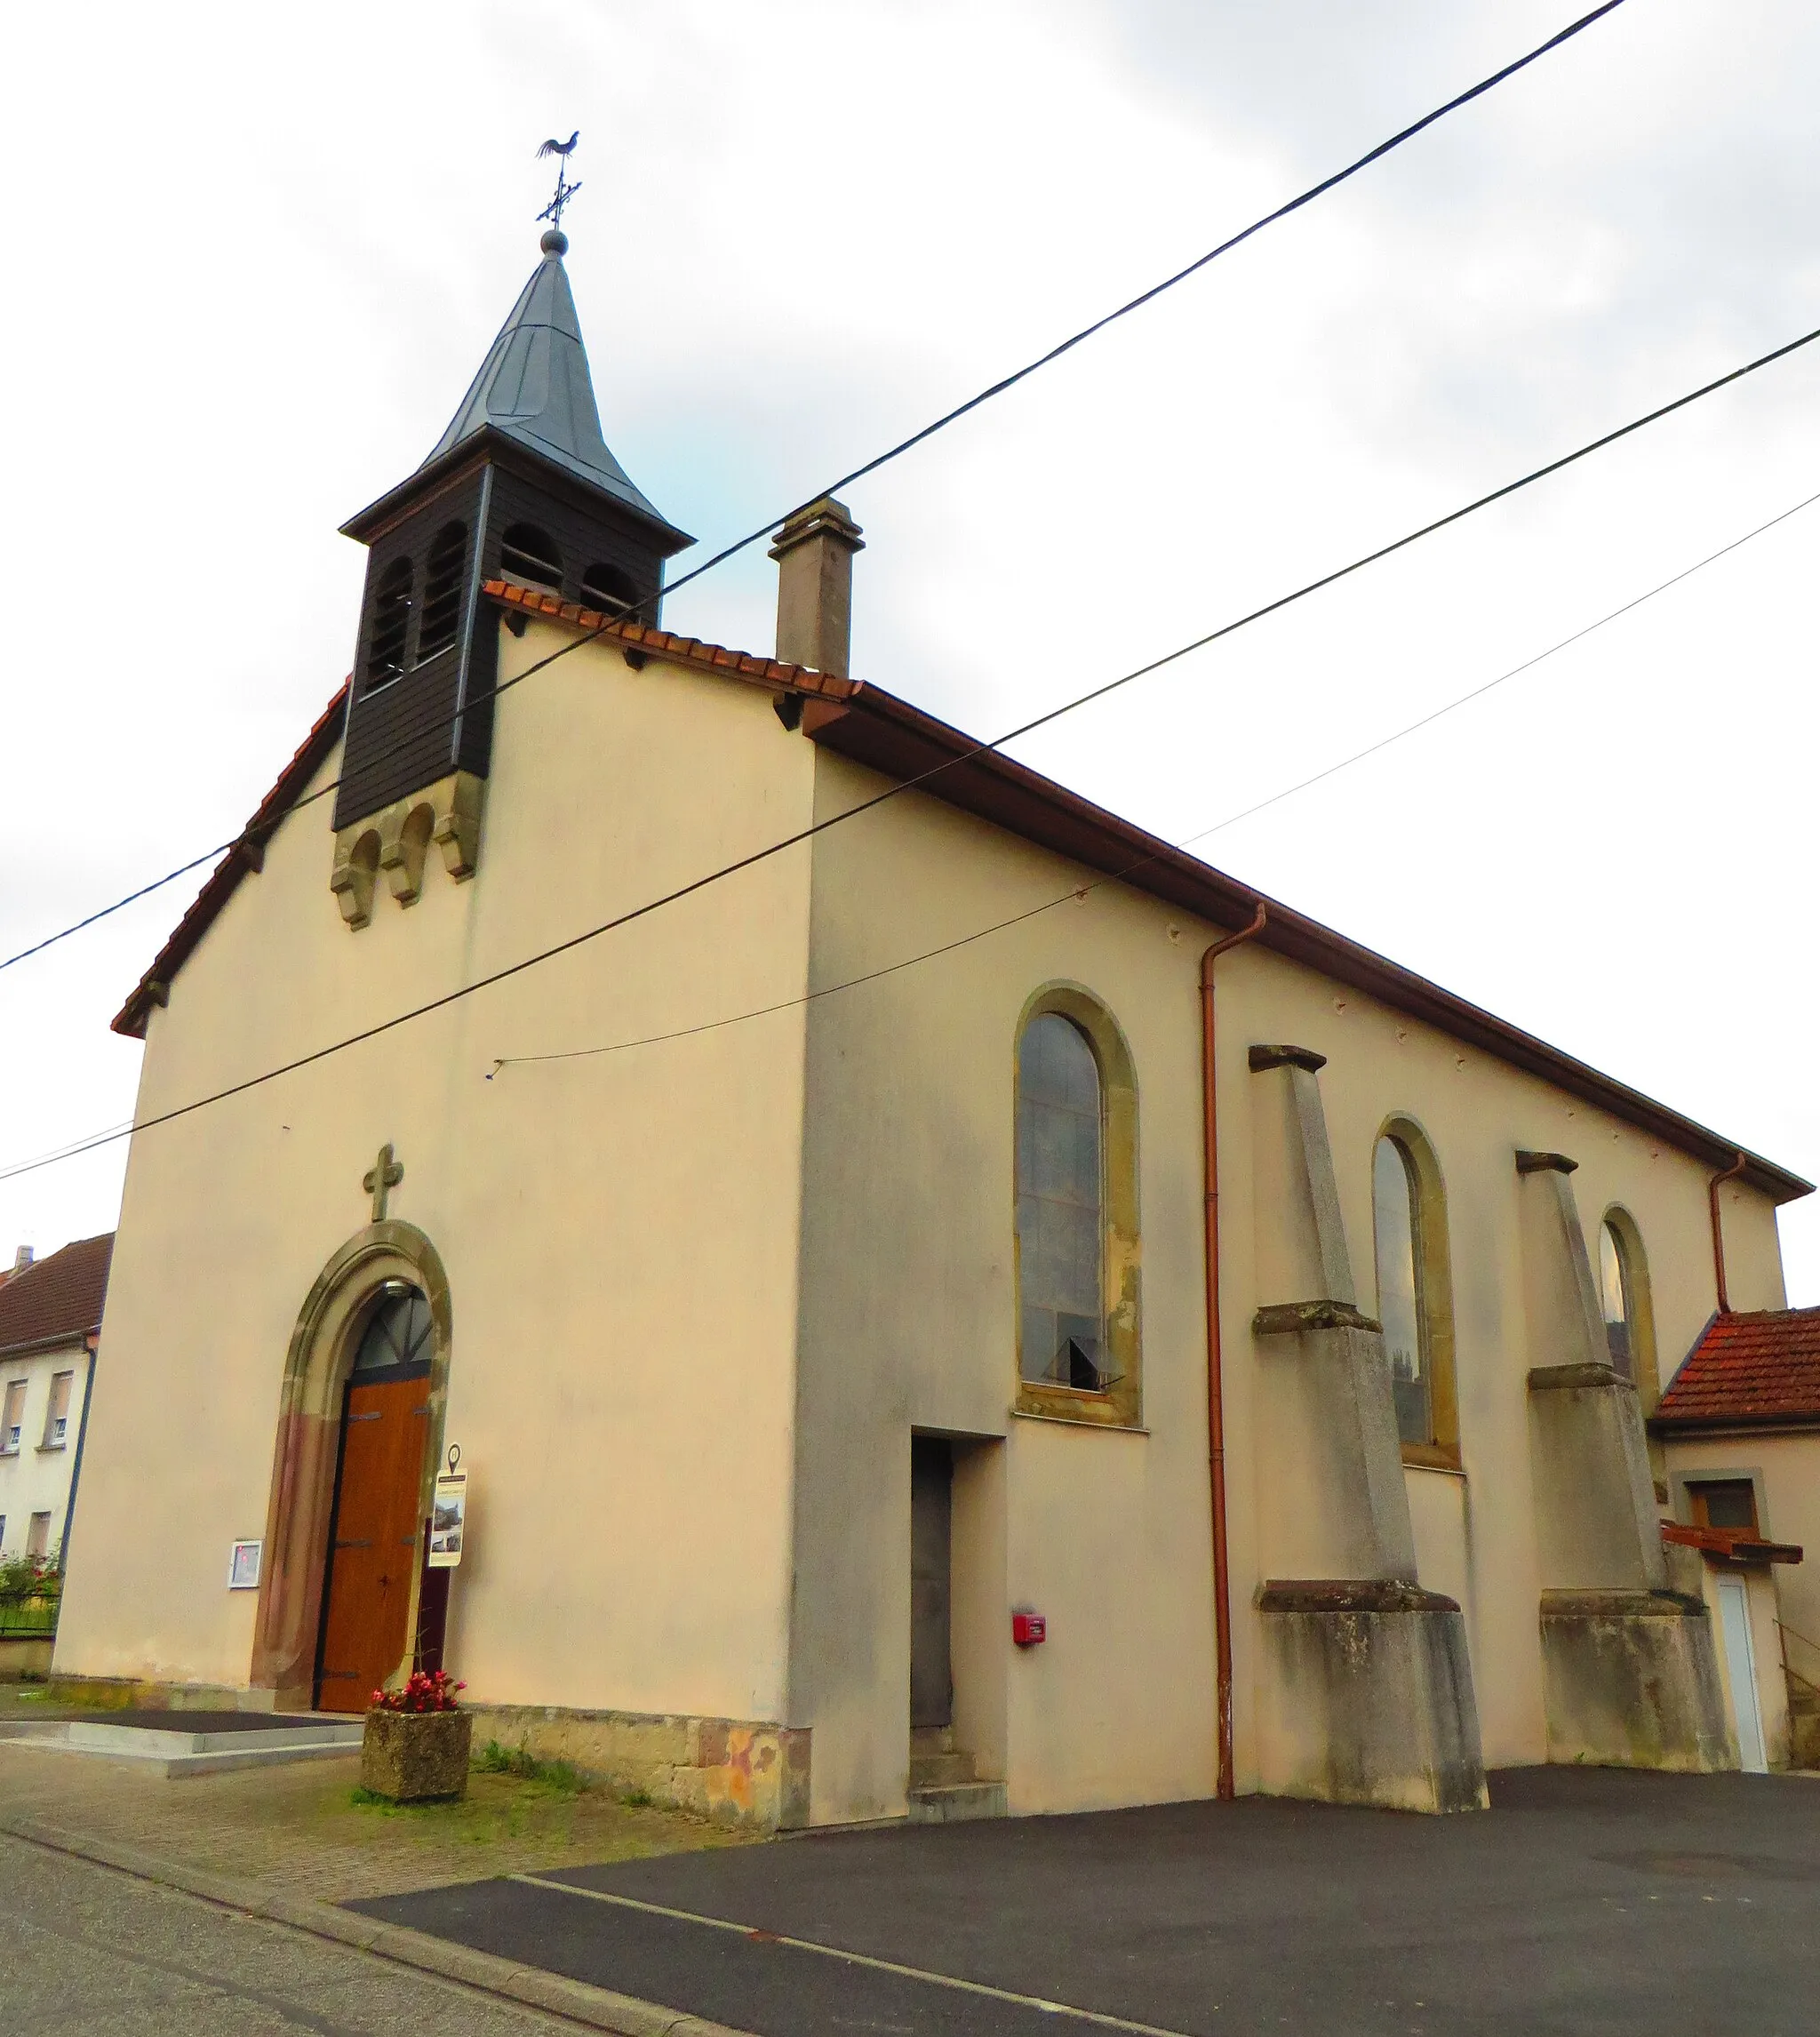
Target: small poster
{"points": [[244, 1566], [448, 1520]]}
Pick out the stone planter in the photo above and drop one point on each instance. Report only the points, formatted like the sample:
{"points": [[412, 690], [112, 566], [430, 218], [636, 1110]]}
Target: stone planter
{"points": [[415, 1757]]}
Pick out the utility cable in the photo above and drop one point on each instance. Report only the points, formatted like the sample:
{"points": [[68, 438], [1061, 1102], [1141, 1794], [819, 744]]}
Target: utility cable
{"points": [[884, 458], [1079, 893], [966, 756]]}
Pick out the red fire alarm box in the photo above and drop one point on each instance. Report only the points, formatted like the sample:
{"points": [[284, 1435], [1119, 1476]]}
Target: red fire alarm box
{"points": [[1027, 1629]]}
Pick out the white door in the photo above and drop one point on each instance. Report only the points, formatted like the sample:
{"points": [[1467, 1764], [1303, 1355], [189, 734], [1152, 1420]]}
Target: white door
{"points": [[1741, 1672]]}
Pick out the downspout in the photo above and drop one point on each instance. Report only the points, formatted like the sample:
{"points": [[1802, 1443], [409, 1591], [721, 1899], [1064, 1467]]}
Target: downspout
{"points": [[1216, 1408], [1712, 1188], [82, 1436]]}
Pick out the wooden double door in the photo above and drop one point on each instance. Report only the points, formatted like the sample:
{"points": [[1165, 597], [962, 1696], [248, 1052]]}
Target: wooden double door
{"points": [[373, 1538]]}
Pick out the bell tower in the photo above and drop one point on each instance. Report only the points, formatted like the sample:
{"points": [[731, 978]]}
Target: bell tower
{"points": [[522, 486]]}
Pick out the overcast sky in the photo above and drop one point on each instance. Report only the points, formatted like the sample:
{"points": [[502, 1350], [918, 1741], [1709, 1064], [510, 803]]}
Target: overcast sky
{"points": [[257, 254]]}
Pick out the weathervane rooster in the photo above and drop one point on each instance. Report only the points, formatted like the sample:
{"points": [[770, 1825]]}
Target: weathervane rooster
{"points": [[562, 151]]}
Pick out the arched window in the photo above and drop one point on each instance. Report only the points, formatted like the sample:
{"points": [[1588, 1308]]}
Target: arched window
{"points": [[1076, 1212], [397, 1332], [608, 589], [442, 592], [1624, 1301], [1060, 1199], [385, 655], [1414, 1304], [529, 554]]}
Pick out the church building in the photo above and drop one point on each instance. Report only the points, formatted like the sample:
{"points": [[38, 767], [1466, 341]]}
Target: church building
{"points": [[970, 1310]]}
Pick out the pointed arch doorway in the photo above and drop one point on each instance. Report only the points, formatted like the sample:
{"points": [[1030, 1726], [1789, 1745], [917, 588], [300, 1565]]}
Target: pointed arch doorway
{"points": [[373, 1530], [338, 1480]]}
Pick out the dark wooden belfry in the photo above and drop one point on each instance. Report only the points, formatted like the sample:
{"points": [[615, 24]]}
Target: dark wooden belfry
{"points": [[521, 486]]}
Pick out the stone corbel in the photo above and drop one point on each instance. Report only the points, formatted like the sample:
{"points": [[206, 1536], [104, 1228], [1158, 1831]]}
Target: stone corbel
{"points": [[396, 839], [356, 865]]}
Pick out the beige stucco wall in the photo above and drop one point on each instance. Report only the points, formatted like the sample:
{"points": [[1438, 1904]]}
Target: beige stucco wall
{"points": [[619, 1232], [1787, 1469], [907, 1313], [35, 1478]]}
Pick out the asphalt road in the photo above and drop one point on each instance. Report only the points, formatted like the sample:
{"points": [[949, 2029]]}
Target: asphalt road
{"points": [[1593, 1903], [91, 1950]]}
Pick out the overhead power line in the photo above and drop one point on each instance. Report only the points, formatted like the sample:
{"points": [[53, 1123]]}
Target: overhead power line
{"points": [[893, 452], [892, 791], [1079, 893]]}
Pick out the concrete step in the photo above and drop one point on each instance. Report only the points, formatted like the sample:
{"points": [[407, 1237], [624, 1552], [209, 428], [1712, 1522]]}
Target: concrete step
{"points": [[958, 1800], [194, 1748]]}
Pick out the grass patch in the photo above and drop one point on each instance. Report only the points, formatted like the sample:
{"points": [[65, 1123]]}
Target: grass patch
{"points": [[638, 1800], [560, 1778]]}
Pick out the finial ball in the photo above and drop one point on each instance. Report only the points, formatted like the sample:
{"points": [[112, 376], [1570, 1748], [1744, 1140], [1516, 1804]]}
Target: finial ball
{"points": [[554, 242]]}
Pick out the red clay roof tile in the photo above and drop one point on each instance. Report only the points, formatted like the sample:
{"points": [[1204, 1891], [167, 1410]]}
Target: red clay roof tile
{"points": [[1748, 1370], [56, 1298]]}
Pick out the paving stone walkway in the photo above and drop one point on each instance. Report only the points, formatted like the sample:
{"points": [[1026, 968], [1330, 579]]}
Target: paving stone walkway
{"points": [[300, 1829]]}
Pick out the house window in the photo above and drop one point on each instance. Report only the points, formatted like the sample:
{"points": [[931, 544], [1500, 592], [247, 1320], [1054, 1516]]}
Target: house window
{"points": [[57, 1415], [384, 653], [442, 592], [1415, 1306], [1724, 1503], [13, 1418], [1076, 1212], [38, 1537], [1624, 1301], [529, 554]]}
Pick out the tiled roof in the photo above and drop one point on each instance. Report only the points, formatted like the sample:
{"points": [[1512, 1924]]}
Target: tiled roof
{"points": [[888, 735], [1748, 1370], [679, 650], [56, 1298]]}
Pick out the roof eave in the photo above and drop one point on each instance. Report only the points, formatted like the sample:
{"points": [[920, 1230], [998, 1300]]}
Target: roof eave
{"points": [[489, 442], [888, 735]]}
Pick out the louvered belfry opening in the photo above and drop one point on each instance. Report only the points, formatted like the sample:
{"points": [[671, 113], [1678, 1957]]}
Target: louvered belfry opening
{"points": [[522, 486], [529, 552], [608, 587], [441, 620], [391, 625]]}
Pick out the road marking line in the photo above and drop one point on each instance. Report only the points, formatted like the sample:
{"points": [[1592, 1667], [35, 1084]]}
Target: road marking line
{"points": [[851, 1958]]}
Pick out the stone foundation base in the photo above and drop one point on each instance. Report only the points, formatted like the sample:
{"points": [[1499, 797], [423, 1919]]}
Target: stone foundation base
{"points": [[1631, 1681], [148, 1694], [734, 1771], [25, 1655], [1370, 1698]]}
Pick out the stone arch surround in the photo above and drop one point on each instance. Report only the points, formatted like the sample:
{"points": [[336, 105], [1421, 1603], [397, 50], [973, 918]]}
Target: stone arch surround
{"points": [[308, 1439]]}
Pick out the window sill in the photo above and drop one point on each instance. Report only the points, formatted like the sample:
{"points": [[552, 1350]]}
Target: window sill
{"points": [[1432, 1457], [1081, 1422], [47, 1448]]}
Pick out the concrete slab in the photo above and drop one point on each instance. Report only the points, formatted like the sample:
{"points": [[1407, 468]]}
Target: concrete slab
{"points": [[176, 1743]]}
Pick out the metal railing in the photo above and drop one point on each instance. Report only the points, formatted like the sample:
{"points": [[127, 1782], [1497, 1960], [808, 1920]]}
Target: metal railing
{"points": [[22, 1619], [1807, 1681]]}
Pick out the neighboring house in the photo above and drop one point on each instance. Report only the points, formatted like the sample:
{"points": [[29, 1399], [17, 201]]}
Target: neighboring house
{"points": [[923, 1335], [50, 1318], [1739, 1427]]}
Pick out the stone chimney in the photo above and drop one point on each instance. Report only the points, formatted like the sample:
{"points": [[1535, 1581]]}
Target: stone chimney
{"points": [[22, 1259], [814, 552]]}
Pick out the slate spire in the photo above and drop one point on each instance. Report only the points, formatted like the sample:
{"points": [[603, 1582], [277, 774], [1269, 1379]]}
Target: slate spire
{"points": [[534, 386]]}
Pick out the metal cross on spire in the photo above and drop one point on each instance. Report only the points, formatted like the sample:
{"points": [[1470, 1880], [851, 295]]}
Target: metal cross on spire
{"points": [[562, 151]]}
